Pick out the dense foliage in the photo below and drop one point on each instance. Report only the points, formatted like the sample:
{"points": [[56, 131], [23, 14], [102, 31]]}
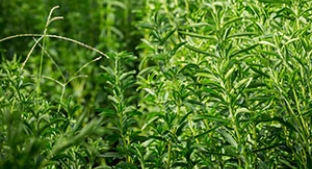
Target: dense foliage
{"points": [[156, 84]]}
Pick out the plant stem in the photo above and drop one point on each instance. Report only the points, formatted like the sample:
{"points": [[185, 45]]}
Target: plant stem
{"points": [[169, 156]]}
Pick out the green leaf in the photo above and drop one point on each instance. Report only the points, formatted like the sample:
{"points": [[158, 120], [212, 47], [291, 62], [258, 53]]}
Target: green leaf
{"points": [[200, 51], [242, 82], [126, 165], [232, 20], [212, 77], [268, 44], [288, 164], [106, 112], [127, 74], [258, 71], [113, 137], [206, 132], [229, 72], [212, 118], [243, 34], [227, 32], [164, 39], [274, 1], [280, 120], [138, 138], [111, 154], [195, 35], [177, 47], [180, 128], [262, 165], [229, 138], [244, 50]]}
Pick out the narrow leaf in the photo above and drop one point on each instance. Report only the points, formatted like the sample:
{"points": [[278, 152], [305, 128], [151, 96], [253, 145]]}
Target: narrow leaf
{"points": [[229, 138]]}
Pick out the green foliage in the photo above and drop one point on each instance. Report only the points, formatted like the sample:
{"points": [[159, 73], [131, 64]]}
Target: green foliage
{"points": [[36, 135], [178, 84]]}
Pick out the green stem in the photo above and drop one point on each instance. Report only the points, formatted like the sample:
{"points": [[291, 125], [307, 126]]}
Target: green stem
{"points": [[41, 65], [169, 155], [61, 98]]}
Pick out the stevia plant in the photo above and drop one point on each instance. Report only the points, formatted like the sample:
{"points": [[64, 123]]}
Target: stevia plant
{"points": [[121, 114], [240, 61], [38, 132], [33, 133], [220, 84], [17, 135]]}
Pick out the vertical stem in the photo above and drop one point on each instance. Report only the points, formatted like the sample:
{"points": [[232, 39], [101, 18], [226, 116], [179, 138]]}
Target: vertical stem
{"points": [[229, 86], [41, 64], [169, 156], [43, 49], [61, 98]]}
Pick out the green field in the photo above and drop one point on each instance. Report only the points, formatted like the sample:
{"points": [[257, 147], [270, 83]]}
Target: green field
{"points": [[156, 84]]}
